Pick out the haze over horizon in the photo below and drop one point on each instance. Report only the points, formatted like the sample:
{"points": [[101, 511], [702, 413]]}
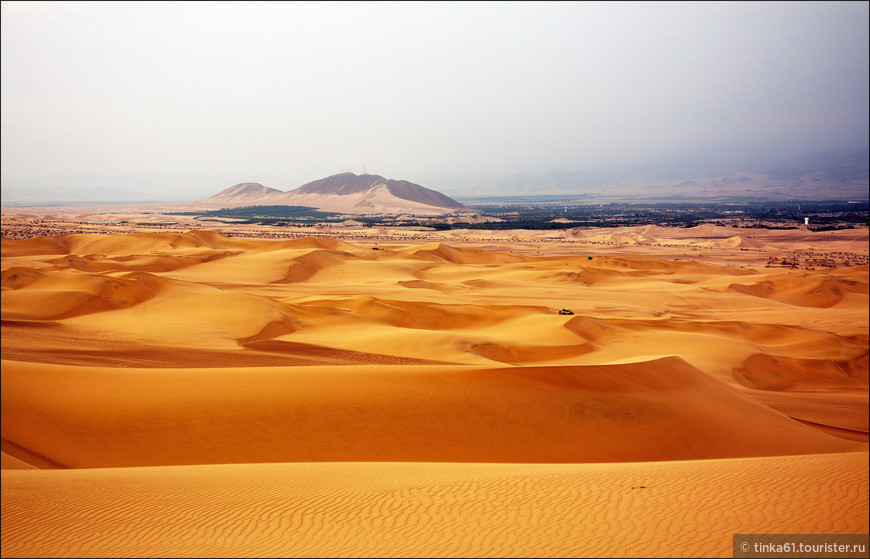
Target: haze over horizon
{"points": [[189, 98]]}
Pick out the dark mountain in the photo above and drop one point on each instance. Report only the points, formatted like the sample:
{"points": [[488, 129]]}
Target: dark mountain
{"points": [[349, 183]]}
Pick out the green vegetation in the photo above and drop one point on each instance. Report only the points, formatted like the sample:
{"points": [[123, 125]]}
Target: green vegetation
{"points": [[267, 215]]}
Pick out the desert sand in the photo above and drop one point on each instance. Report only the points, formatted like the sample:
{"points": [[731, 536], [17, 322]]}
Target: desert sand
{"points": [[396, 393]]}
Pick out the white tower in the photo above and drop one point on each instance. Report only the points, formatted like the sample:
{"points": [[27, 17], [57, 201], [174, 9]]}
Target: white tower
{"points": [[806, 221]]}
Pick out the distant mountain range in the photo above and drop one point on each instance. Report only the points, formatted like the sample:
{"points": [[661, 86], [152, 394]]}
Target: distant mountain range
{"points": [[343, 193], [835, 173]]}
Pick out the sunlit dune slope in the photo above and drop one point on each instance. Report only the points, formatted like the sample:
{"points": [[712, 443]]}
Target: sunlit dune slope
{"points": [[663, 409], [446, 510]]}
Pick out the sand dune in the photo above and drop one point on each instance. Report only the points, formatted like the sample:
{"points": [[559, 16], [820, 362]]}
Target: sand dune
{"points": [[804, 292], [441, 251], [318, 386], [67, 293], [773, 372], [740, 241], [654, 410]]}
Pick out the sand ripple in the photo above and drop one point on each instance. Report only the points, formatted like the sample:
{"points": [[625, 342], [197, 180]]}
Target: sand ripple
{"points": [[423, 509]]}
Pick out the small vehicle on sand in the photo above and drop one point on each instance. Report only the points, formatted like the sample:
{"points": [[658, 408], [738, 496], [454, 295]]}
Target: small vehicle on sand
{"points": [[566, 311]]}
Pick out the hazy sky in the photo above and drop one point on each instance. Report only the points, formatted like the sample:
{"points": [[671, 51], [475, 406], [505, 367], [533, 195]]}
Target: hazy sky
{"points": [[285, 93]]}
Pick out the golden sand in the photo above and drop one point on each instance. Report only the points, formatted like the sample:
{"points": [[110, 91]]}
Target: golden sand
{"points": [[198, 395]]}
